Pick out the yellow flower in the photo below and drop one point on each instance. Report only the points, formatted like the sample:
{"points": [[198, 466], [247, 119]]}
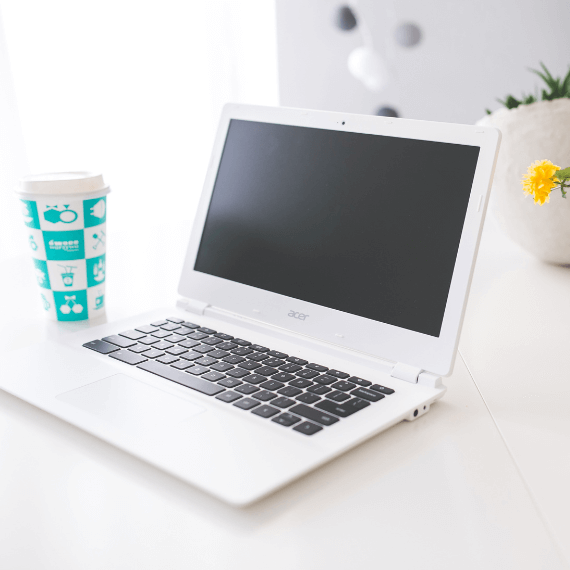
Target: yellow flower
{"points": [[538, 180]]}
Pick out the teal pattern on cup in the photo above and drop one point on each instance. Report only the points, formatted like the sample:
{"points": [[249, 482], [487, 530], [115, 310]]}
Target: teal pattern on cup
{"points": [[66, 233]]}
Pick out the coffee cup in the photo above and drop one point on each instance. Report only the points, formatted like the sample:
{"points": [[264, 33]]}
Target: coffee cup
{"points": [[65, 214]]}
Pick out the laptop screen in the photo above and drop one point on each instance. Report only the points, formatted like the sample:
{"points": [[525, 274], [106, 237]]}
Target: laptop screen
{"points": [[365, 224]]}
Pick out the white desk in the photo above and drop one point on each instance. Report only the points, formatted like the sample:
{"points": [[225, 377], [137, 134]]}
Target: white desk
{"points": [[439, 493]]}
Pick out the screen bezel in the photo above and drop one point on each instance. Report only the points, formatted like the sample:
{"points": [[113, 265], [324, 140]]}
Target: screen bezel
{"points": [[433, 354]]}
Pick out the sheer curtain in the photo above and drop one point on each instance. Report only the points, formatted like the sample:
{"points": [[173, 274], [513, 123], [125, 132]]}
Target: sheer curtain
{"points": [[133, 89]]}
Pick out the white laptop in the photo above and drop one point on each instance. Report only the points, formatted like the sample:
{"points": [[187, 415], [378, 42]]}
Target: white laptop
{"points": [[321, 302]]}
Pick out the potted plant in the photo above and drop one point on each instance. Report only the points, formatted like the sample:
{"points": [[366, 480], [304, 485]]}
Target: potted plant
{"points": [[532, 130]]}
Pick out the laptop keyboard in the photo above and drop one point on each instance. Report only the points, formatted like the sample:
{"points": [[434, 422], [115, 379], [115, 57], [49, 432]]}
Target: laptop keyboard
{"points": [[287, 390]]}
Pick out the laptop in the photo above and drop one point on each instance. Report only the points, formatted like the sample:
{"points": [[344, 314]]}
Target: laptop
{"points": [[321, 301]]}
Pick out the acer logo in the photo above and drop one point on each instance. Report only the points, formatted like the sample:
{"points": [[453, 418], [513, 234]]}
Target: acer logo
{"points": [[296, 315]]}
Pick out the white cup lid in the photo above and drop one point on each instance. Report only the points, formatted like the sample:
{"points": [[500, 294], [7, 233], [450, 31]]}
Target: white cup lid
{"points": [[62, 183]]}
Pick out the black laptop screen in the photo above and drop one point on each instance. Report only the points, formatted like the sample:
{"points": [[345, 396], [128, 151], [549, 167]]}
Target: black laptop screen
{"points": [[365, 224]]}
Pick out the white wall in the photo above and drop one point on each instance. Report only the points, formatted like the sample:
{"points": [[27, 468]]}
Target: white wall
{"points": [[472, 52], [132, 89]]}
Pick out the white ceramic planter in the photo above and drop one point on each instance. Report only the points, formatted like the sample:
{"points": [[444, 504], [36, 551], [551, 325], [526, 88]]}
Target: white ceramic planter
{"points": [[532, 132]]}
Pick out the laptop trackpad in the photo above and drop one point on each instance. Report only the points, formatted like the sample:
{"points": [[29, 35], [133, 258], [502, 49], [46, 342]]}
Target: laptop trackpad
{"points": [[129, 403]]}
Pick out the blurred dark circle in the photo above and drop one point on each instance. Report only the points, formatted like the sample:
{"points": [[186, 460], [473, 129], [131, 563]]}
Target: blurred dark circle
{"points": [[345, 18], [408, 35], [387, 112]]}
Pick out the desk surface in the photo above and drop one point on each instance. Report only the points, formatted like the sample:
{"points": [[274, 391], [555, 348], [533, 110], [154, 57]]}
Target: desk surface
{"points": [[469, 485]]}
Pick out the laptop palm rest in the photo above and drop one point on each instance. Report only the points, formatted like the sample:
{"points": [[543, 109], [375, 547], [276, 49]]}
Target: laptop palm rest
{"points": [[130, 403]]}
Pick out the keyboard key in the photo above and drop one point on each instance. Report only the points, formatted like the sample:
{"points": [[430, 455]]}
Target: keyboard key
{"points": [[290, 367], [237, 372], [162, 345], [307, 428], [308, 398], [218, 354], [365, 393], [242, 351], [232, 359], [148, 340], [221, 366], [152, 353], [241, 342], [337, 396], [249, 365], [307, 374], [224, 336], [246, 404], [259, 348], [258, 356], [206, 361], [317, 367], [174, 338], [256, 379], [138, 348], [275, 362], [266, 371], [212, 341], [286, 419], [229, 397], [161, 334], [146, 329], [190, 325], [289, 391], [191, 355], [119, 341], [176, 350], [170, 327], [300, 383], [282, 402], [313, 414], [101, 346], [197, 336], [184, 330], [359, 381], [158, 323], [324, 379], [226, 346], [227, 382], [170, 373], [197, 370], [277, 354], [213, 376], [203, 348], [343, 386], [283, 377], [180, 364], [345, 409], [247, 389], [295, 360], [264, 395], [338, 374], [382, 389], [128, 357], [318, 389], [265, 411], [207, 330], [133, 335], [175, 320], [167, 359], [272, 385]]}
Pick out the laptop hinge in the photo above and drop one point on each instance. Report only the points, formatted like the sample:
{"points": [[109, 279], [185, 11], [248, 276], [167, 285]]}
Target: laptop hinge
{"points": [[405, 372], [192, 306], [415, 375]]}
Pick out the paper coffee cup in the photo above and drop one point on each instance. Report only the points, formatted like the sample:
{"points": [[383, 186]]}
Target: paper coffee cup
{"points": [[65, 214]]}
